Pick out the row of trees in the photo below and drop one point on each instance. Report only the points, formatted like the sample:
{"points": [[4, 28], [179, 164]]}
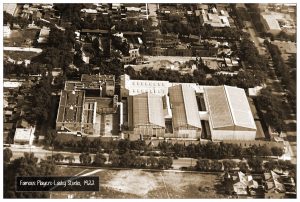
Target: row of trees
{"points": [[209, 150], [250, 55], [174, 24], [41, 101], [272, 107], [127, 160], [252, 164], [20, 70], [8, 19], [244, 79], [281, 68], [286, 74], [24, 166], [219, 151]]}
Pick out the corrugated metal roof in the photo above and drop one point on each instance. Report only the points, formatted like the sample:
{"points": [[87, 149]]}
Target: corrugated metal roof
{"points": [[240, 109], [184, 106], [228, 106], [148, 109]]}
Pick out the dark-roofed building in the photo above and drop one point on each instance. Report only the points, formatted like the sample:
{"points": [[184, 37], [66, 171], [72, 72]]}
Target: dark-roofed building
{"points": [[98, 85], [146, 117], [185, 114], [69, 115], [230, 116], [88, 107]]}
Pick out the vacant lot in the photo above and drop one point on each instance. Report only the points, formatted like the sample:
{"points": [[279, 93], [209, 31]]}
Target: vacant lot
{"points": [[21, 38], [146, 184], [20, 55]]}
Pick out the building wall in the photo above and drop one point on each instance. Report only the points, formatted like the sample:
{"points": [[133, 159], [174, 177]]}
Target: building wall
{"points": [[232, 135], [187, 133], [148, 131], [71, 126], [267, 27]]}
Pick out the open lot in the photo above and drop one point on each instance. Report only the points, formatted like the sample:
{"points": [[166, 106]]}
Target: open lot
{"points": [[20, 55], [165, 62], [21, 38], [145, 184]]}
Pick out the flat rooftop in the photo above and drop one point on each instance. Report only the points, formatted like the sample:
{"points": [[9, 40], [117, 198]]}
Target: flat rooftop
{"points": [[70, 106]]}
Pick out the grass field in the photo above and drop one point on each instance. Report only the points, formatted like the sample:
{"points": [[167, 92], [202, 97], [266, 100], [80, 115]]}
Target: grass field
{"points": [[19, 37], [146, 184]]}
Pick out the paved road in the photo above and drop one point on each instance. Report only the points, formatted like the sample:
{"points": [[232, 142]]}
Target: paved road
{"points": [[254, 37], [152, 13], [36, 50], [183, 162], [39, 152]]}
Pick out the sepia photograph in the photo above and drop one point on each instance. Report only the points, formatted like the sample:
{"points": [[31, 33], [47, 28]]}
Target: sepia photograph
{"points": [[143, 100]]}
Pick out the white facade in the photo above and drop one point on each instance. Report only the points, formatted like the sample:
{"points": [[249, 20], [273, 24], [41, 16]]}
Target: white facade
{"points": [[232, 135], [230, 116], [227, 109], [6, 31], [24, 135]]}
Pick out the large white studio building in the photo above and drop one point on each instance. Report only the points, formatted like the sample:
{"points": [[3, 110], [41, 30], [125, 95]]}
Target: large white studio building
{"points": [[161, 109]]}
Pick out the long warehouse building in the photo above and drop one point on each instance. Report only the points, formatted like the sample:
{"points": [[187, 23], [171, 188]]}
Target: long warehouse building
{"points": [[230, 116], [187, 110]]}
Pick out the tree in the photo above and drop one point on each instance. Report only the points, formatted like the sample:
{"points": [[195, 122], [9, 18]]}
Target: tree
{"points": [[50, 137], [165, 162], [7, 154], [127, 159], [203, 165], [277, 151], [99, 159], [138, 145], [41, 103], [85, 144], [216, 165], [237, 150], [191, 150], [85, 158], [212, 150], [255, 164], [58, 157], [270, 165], [243, 167], [229, 164], [251, 151], [25, 166], [152, 162], [47, 167], [225, 150], [178, 149], [285, 165], [114, 159], [70, 158], [59, 82], [164, 146], [123, 146], [263, 151], [140, 162]]}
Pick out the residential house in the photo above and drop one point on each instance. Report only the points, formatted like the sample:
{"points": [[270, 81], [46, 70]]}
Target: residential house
{"points": [[273, 185], [241, 184]]}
